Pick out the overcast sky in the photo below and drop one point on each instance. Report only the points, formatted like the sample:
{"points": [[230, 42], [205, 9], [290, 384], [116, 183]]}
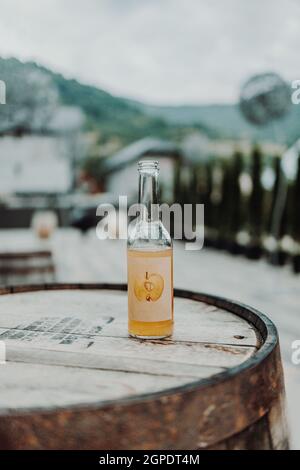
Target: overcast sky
{"points": [[159, 51]]}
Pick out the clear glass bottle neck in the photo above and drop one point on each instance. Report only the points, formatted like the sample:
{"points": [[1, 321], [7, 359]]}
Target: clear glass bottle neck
{"points": [[148, 195]]}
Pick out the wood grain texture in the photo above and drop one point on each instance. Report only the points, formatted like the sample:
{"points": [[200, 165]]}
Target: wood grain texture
{"points": [[75, 380], [277, 423], [255, 437]]}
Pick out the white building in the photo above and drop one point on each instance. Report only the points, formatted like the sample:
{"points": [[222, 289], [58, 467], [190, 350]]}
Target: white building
{"points": [[34, 164], [121, 169], [43, 163]]}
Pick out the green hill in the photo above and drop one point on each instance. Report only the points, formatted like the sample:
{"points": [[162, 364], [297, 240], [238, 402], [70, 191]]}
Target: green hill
{"points": [[130, 120], [227, 121], [113, 116]]}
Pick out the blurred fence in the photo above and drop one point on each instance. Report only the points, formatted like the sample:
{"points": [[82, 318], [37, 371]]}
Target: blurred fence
{"points": [[239, 194]]}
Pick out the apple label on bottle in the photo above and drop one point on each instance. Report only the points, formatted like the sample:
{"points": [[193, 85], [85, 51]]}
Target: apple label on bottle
{"points": [[149, 287]]}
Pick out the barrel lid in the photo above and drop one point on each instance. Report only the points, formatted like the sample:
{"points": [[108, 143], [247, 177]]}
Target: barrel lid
{"points": [[67, 346]]}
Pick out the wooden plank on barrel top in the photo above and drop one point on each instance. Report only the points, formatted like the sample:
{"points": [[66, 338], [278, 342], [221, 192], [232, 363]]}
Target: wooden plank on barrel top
{"points": [[195, 321]]}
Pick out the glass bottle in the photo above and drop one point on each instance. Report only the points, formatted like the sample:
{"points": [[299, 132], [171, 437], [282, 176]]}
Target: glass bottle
{"points": [[149, 263]]}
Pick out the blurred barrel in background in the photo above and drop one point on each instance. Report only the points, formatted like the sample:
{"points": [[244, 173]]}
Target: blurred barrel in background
{"points": [[26, 268]]}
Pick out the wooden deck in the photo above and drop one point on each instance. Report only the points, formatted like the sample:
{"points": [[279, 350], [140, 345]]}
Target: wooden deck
{"points": [[274, 291]]}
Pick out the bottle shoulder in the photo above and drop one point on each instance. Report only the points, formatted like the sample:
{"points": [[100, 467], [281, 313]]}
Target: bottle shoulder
{"points": [[143, 234]]}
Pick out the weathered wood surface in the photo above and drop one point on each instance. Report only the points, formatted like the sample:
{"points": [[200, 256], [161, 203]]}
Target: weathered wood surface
{"points": [[75, 380]]}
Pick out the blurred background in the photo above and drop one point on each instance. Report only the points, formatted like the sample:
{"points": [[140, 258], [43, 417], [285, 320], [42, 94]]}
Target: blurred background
{"points": [[205, 87]]}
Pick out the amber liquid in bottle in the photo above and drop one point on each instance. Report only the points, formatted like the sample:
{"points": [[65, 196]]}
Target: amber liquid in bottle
{"points": [[150, 265]]}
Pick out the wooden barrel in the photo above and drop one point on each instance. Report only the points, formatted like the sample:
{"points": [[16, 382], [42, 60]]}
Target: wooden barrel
{"points": [[74, 380], [26, 267]]}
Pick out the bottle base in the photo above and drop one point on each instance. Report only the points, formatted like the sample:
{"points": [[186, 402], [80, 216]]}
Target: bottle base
{"points": [[150, 330], [132, 335]]}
